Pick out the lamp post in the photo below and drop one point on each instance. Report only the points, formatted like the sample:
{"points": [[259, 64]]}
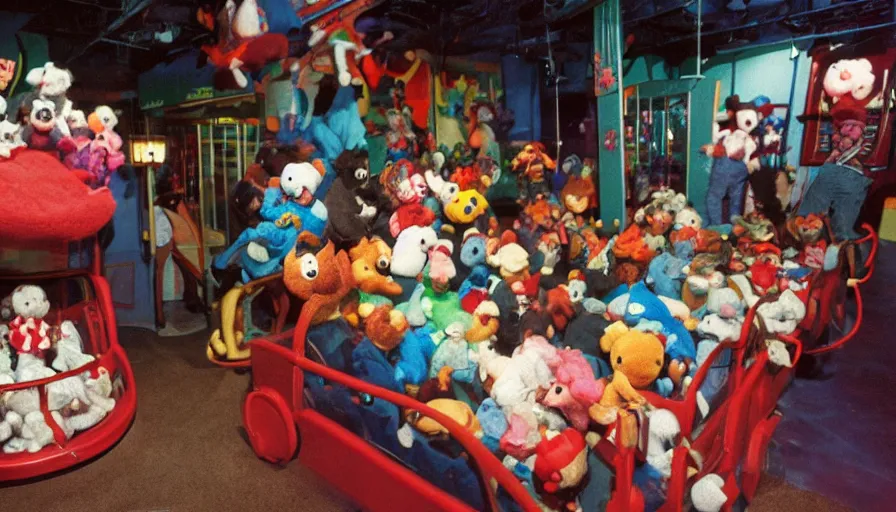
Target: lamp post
{"points": [[147, 151]]}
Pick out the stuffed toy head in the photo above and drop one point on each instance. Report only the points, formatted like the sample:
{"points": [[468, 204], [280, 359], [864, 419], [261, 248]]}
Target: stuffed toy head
{"points": [[688, 218], [352, 168], [311, 268], [384, 327], [473, 251], [485, 322], [102, 119], [512, 261], [43, 115], [76, 120], [466, 207], [636, 354], [579, 194], [10, 138], [411, 249], [441, 266], [371, 260], [29, 301], [533, 161], [849, 83], [300, 181], [561, 460], [808, 229], [49, 80]]}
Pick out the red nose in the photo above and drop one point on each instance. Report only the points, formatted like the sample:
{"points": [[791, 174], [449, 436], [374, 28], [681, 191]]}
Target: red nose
{"points": [[845, 75]]}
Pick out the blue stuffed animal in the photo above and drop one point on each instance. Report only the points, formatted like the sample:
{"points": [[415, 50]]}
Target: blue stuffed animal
{"points": [[645, 306], [665, 272]]}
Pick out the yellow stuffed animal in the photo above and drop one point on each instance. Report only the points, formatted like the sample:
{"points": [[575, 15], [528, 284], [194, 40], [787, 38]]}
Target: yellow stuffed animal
{"points": [[637, 359]]}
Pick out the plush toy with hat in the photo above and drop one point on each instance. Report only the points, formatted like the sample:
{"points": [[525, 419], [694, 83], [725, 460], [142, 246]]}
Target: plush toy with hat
{"points": [[486, 322], [637, 360], [535, 168]]}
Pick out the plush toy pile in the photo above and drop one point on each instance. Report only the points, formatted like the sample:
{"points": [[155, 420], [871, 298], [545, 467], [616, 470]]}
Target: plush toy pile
{"points": [[534, 338], [47, 121], [33, 349]]}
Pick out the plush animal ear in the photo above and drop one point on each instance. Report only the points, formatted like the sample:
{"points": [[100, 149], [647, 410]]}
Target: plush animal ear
{"points": [[34, 77], [319, 165]]}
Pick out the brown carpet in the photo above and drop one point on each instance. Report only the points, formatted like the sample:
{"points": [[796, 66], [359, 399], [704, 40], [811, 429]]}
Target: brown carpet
{"points": [[186, 451]]}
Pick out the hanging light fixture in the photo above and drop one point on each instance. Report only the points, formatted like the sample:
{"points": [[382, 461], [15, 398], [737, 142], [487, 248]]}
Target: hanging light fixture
{"points": [[699, 75], [148, 150]]}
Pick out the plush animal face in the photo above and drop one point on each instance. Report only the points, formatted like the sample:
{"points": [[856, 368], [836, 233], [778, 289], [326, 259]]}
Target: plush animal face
{"points": [[352, 169], [76, 119], [43, 115], [418, 185], [473, 250], [688, 218], [485, 322], [300, 181], [371, 260], [747, 119], [385, 327], [411, 249], [849, 76], [466, 207], [809, 228], [541, 212], [103, 118], [10, 136], [579, 194], [29, 301], [577, 288], [49, 80], [311, 268], [638, 355]]}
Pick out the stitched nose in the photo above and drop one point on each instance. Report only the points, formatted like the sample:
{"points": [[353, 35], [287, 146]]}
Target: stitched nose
{"points": [[845, 75]]}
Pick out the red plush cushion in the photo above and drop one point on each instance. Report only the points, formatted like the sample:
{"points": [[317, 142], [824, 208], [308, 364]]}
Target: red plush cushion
{"points": [[41, 200]]}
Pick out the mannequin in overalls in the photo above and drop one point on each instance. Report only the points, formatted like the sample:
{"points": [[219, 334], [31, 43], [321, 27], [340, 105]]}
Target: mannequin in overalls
{"points": [[843, 181], [734, 157]]}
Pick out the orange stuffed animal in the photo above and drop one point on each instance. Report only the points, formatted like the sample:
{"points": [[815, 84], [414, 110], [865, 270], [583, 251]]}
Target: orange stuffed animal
{"points": [[631, 245], [313, 269]]}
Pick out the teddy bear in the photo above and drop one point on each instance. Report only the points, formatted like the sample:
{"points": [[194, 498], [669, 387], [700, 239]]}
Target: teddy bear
{"points": [[809, 230], [52, 83], [384, 330], [637, 360], [28, 332], [10, 138], [351, 202], [734, 157]]}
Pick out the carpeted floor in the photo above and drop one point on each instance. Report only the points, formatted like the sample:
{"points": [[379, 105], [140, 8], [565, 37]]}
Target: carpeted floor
{"points": [[186, 452]]}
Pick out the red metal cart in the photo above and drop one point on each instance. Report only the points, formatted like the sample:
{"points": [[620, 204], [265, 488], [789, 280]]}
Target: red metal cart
{"points": [[731, 441]]}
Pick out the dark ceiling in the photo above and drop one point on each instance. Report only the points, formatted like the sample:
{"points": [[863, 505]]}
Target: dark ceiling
{"points": [[106, 43]]}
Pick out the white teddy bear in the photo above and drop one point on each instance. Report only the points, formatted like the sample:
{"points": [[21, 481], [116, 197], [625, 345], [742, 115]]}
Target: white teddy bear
{"points": [[29, 333], [52, 84], [69, 349]]}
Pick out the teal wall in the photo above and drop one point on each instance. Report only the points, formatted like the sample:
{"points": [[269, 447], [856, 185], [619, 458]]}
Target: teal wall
{"points": [[644, 69], [751, 73]]}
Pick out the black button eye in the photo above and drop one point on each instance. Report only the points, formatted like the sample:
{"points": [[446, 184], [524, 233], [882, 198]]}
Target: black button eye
{"points": [[26, 304], [422, 241], [473, 201], [619, 360], [558, 390], [475, 251], [311, 274]]}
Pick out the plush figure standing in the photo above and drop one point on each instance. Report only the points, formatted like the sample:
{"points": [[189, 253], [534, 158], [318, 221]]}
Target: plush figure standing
{"points": [[482, 137], [843, 182], [52, 84], [734, 157], [535, 167], [28, 332]]}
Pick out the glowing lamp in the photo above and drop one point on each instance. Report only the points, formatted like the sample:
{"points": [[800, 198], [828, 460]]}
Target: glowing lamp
{"points": [[145, 151]]}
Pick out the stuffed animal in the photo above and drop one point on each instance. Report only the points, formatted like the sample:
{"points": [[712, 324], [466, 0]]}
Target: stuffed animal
{"points": [[849, 84], [312, 268], [809, 230], [579, 196], [52, 83], [441, 267], [244, 44], [454, 409], [81, 135], [454, 352], [561, 463], [486, 321], [69, 349], [512, 262], [42, 131], [28, 332], [289, 208], [411, 251], [534, 167], [10, 138], [371, 262], [574, 389], [734, 157], [351, 202], [637, 360]]}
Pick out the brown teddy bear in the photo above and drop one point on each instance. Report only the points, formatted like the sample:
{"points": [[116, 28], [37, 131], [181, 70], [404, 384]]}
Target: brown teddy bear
{"points": [[371, 260], [315, 270], [637, 359]]}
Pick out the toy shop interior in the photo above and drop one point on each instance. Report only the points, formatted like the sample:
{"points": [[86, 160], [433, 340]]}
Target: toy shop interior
{"points": [[447, 255]]}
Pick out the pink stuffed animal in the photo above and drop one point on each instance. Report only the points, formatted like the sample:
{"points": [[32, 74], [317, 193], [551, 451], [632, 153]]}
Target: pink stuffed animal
{"points": [[574, 389], [441, 267]]}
